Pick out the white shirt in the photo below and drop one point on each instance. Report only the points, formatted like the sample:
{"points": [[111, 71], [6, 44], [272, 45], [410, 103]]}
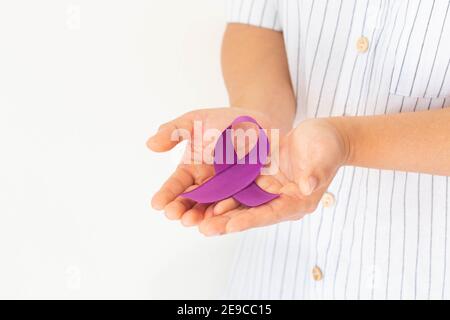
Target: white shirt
{"points": [[386, 235]]}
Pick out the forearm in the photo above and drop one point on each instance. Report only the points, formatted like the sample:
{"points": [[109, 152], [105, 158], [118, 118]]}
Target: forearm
{"points": [[415, 141], [256, 73]]}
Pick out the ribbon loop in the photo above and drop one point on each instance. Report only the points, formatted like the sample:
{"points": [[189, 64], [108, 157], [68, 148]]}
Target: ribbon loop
{"points": [[235, 177]]}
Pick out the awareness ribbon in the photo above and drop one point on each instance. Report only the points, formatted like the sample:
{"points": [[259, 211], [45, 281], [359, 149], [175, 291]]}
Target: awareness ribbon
{"points": [[235, 179]]}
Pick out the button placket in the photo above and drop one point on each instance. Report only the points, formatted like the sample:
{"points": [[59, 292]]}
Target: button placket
{"points": [[374, 20]]}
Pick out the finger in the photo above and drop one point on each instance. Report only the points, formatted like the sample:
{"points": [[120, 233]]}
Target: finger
{"points": [[178, 182], [175, 209], [307, 176], [266, 183], [252, 218], [216, 224], [171, 133], [312, 171], [278, 210], [225, 205], [269, 184], [195, 215], [209, 212], [310, 181]]}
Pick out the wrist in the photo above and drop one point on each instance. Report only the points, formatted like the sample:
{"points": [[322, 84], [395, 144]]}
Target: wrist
{"points": [[345, 130]]}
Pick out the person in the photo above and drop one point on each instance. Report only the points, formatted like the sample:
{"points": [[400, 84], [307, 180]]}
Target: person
{"points": [[359, 91]]}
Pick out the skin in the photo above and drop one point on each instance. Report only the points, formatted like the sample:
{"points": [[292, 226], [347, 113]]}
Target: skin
{"points": [[257, 79]]}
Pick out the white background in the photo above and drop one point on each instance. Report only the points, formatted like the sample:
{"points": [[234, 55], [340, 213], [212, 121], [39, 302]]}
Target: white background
{"points": [[82, 86]]}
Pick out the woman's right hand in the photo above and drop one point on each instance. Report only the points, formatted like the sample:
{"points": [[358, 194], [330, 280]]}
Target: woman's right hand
{"points": [[309, 158], [189, 173]]}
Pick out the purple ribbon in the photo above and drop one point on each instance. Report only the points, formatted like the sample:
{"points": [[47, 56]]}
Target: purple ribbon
{"points": [[235, 177]]}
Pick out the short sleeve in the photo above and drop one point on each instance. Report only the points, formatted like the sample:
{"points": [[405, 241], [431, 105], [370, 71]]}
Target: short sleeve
{"points": [[260, 13]]}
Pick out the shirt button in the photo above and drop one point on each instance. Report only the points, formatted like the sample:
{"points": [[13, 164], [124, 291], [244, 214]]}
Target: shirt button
{"points": [[328, 200], [317, 273], [362, 44]]}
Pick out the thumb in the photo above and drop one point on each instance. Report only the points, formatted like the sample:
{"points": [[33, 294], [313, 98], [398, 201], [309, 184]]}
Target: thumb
{"points": [[311, 175], [170, 134], [312, 179], [308, 183]]}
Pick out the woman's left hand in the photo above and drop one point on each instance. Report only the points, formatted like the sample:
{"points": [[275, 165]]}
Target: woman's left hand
{"points": [[309, 158]]}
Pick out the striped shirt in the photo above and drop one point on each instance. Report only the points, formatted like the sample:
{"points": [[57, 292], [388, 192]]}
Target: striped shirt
{"points": [[385, 235]]}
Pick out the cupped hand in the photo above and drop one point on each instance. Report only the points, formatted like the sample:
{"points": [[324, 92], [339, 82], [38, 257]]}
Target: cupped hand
{"points": [[310, 156], [191, 172]]}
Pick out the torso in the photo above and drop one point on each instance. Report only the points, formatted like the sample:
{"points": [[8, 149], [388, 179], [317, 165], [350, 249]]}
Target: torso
{"points": [[386, 234]]}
